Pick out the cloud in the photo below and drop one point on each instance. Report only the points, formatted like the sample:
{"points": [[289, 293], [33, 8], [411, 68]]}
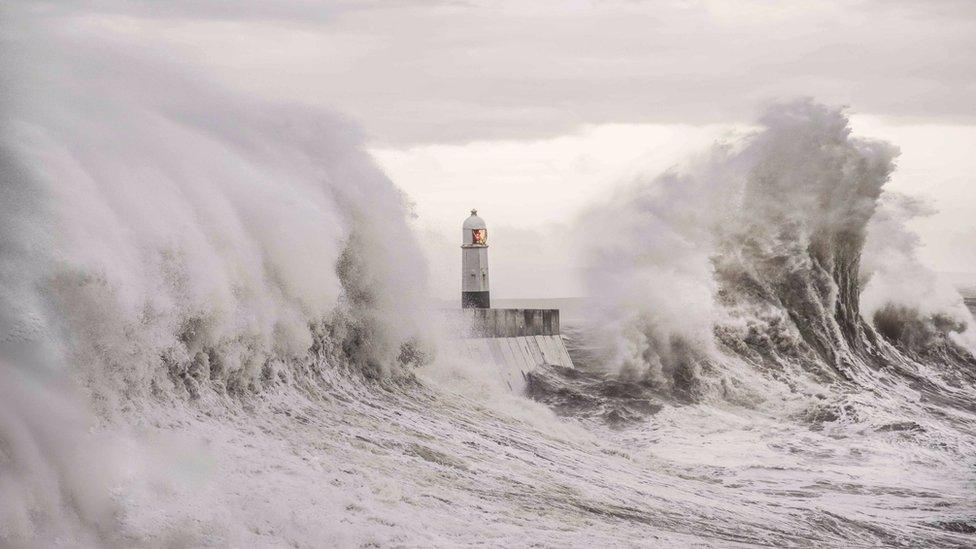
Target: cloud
{"points": [[423, 72]]}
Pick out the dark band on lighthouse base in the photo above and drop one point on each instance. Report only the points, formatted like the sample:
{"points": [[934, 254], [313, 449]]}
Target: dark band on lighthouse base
{"points": [[475, 300]]}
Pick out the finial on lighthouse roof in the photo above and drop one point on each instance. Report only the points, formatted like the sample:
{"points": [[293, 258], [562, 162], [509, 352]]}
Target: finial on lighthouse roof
{"points": [[474, 222]]}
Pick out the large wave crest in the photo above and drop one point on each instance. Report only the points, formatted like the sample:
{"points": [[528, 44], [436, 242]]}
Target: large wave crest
{"points": [[742, 273], [163, 240]]}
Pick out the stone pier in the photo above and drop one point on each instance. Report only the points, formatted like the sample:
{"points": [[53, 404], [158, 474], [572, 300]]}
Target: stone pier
{"points": [[513, 341]]}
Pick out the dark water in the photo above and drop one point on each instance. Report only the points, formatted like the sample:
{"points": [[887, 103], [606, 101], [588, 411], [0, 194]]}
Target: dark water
{"points": [[848, 468]]}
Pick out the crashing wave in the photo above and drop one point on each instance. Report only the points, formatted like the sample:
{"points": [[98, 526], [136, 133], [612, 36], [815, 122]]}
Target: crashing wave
{"points": [[748, 264], [165, 240]]}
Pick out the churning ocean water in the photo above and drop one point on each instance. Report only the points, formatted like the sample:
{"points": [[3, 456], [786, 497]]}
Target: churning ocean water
{"points": [[208, 337]]}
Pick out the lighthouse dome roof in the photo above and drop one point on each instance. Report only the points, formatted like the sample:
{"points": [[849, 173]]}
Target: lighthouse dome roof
{"points": [[474, 222]]}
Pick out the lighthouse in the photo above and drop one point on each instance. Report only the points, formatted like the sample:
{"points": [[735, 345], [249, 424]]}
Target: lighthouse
{"points": [[515, 341], [474, 263]]}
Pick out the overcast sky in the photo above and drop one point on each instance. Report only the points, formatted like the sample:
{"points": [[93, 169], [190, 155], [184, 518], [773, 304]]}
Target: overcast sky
{"points": [[528, 109]]}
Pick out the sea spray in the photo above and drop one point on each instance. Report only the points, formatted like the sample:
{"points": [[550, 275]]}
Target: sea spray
{"points": [[753, 253], [165, 240]]}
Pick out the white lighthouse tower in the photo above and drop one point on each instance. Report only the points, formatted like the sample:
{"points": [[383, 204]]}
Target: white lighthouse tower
{"points": [[474, 263]]}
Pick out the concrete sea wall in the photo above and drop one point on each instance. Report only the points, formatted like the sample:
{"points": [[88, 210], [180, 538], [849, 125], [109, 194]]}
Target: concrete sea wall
{"points": [[512, 341], [506, 322]]}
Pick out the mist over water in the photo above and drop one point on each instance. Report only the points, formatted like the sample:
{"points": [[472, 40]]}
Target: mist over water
{"points": [[212, 333]]}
